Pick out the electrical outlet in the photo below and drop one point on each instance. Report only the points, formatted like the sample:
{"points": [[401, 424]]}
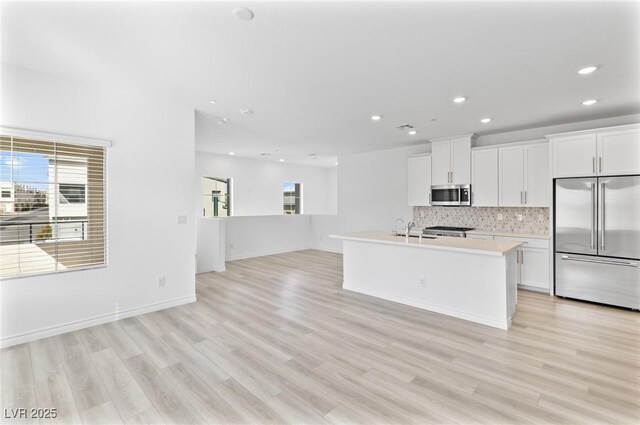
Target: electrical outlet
{"points": [[423, 282], [519, 217], [500, 217], [161, 282], [230, 246], [181, 219]]}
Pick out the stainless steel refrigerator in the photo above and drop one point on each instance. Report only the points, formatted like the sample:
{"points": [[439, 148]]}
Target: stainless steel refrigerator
{"points": [[597, 239]]}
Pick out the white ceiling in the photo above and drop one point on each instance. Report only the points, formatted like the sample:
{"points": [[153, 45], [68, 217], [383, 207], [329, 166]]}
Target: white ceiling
{"points": [[314, 72]]}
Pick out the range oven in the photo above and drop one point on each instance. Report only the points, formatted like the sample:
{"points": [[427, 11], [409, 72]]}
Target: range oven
{"points": [[451, 195]]}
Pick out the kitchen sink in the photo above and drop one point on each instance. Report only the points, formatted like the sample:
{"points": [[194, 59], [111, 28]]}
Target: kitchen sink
{"points": [[399, 235]]}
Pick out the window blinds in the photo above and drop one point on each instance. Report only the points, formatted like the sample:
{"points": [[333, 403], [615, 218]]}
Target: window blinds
{"points": [[52, 206]]}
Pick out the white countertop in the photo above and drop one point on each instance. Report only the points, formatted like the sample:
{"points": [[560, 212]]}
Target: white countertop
{"points": [[476, 246], [509, 234]]}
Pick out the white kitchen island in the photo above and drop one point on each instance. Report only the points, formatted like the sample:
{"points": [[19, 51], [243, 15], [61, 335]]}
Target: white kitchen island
{"points": [[470, 279]]}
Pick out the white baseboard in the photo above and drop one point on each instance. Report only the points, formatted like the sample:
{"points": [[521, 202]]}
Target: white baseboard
{"points": [[217, 269], [430, 307], [266, 252], [92, 321], [328, 249]]}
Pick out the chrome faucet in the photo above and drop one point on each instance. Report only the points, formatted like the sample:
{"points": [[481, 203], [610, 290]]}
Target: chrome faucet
{"points": [[402, 221], [408, 230]]}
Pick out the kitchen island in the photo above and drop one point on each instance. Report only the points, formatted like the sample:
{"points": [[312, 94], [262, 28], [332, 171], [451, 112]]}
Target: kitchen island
{"points": [[471, 279]]}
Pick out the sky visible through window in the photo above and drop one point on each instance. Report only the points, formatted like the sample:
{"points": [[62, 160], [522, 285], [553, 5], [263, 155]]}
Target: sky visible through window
{"points": [[30, 169], [289, 187]]}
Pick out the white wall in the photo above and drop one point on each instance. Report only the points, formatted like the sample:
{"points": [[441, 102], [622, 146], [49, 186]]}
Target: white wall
{"points": [[257, 184], [256, 236], [372, 188], [150, 173]]}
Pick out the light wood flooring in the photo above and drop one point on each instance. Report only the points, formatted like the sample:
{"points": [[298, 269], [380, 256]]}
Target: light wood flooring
{"points": [[277, 340]]}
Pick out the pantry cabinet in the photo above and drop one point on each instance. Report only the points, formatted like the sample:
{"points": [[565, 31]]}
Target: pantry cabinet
{"points": [[419, 180], [599, 152]]}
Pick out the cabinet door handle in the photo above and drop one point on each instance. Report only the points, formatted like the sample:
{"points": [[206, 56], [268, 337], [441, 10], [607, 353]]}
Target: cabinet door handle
{"points": [[599, 164], [593, 164], [525, 197], [521, 198], [429, 198]]}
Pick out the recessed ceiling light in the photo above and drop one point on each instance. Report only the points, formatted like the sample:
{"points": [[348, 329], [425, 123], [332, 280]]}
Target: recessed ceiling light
{"points": [[243, 13], [281, 159], [213, 102], [246, 111], [336, 162], [589, 102], [232, 153], [587, 70], [413, 132], [222, 121], [376, 117], [459, 99], [485, 120]]}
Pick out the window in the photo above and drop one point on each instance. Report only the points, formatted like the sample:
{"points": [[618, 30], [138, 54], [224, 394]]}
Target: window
{"points": [[53, 218], [216, 197], [72, 193], [292, 193]]}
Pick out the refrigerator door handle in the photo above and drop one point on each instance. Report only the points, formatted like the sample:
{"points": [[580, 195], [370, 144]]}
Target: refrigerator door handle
{"points": [[593, 216], [611, 263], [601, 215]]}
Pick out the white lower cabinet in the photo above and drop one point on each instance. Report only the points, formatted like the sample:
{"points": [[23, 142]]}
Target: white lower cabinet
{"points": [[533, 260], [534, 268]]}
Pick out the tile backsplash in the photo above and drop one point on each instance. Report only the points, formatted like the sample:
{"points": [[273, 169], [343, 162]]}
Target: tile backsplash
{"points": [[534, 220]]}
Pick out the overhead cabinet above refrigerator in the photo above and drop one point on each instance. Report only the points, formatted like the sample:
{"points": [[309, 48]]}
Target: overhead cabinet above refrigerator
{"points": [[601, 152]]}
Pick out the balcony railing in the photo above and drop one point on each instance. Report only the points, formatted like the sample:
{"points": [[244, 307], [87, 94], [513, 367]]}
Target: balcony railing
{"points": [[42, 231]]}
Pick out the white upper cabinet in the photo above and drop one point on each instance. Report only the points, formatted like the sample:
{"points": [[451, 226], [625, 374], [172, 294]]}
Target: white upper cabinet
{"points": [[511, 185], [484, 177], [441, 162], [451, 160], [575, 156], [524, 179], [618, 152], [419, 180], [537, 181], [599, 152], [461, 160]]}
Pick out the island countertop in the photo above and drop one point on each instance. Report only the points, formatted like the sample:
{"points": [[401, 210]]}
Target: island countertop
{"points": [[474, 246]]}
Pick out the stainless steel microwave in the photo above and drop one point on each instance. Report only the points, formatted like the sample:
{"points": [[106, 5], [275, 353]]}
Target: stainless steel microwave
{"points": [[451, 195]]}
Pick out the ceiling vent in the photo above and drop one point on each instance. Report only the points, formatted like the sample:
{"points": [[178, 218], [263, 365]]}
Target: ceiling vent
{"points": [[265, 154], [404, 127]]}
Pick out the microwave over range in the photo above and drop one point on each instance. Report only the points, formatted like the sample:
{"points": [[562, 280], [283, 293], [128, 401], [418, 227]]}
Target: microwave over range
{"points": [[451, 195]]}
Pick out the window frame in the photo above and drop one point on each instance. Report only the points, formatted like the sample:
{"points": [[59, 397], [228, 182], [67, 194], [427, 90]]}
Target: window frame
{"points": [[299, 204], [72, 140]]}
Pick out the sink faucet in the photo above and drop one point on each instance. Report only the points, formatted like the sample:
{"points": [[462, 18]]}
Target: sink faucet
{"points": [[409, 226], [400, 220]]}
